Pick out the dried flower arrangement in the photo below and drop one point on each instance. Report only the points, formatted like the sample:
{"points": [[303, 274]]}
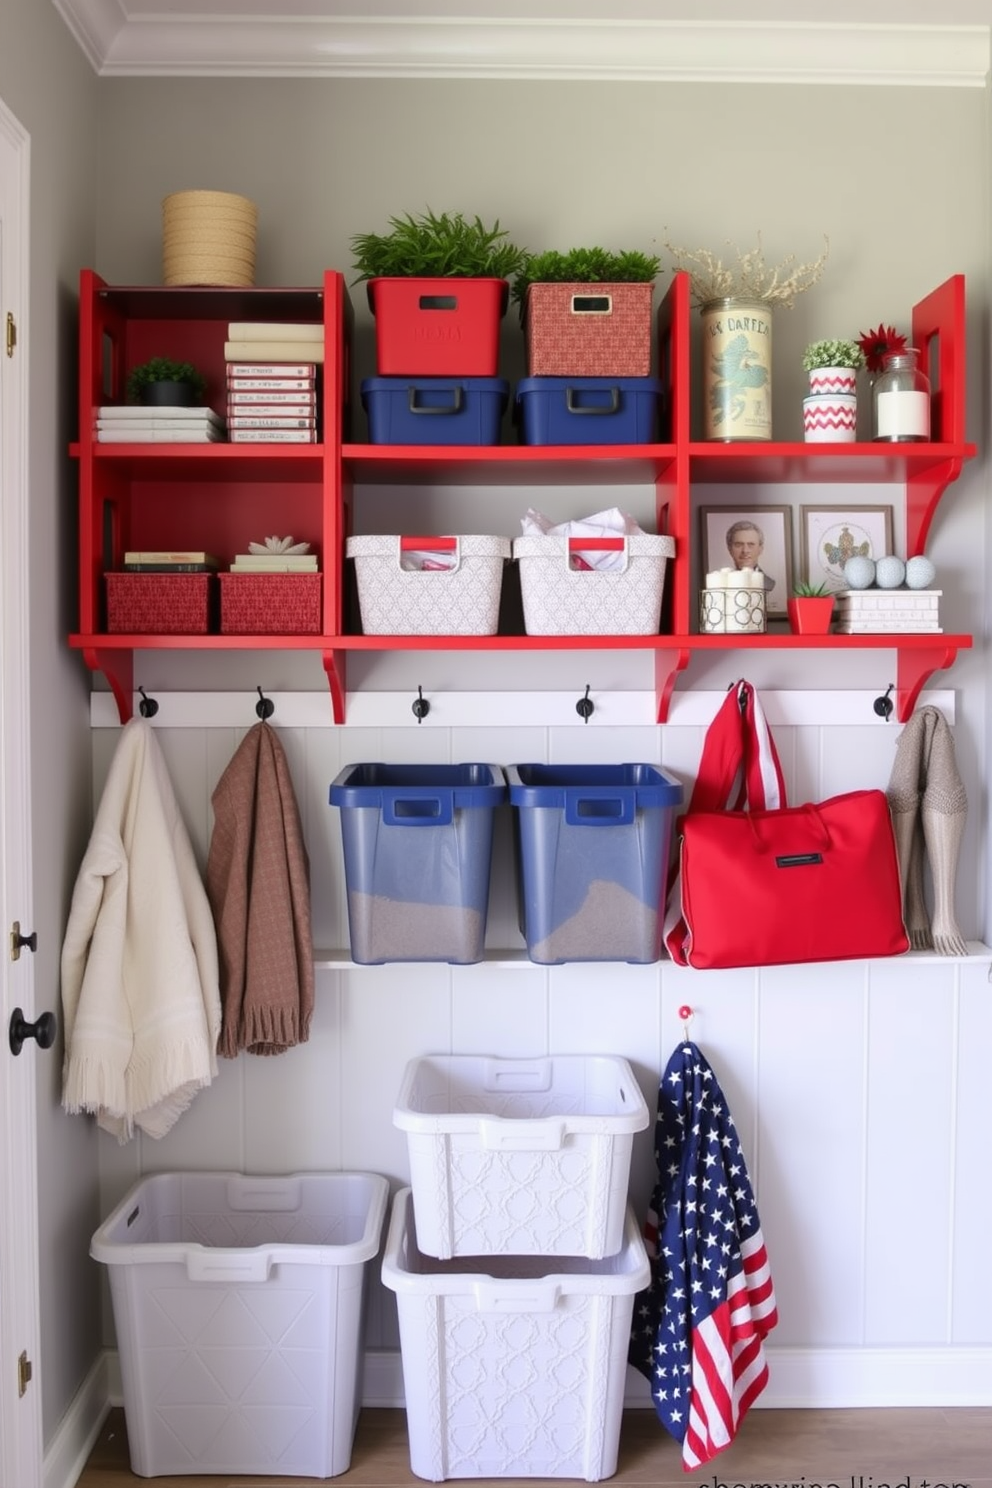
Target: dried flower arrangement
{"points": [[749, 278]]}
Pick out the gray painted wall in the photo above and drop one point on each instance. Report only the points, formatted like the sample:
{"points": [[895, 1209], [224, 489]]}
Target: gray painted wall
{"points": [[46, 82], [897, 179]]}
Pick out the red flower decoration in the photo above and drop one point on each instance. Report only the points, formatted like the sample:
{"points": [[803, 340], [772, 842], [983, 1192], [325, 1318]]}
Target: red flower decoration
{"points": [[877, 344]]}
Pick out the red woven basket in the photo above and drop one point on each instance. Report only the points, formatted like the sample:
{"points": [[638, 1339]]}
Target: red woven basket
{"points": [[269, 603], [160, 604]]}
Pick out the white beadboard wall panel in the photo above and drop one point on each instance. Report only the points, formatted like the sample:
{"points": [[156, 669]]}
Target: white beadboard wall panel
{"points": [[723, 1023], [971, 1213], [824, 1067], [604, 746], [493, 1013], [810, 1095], [389, 1015], [909, 1145], [581, 997], [296, 1086], [211, 1134], [322, 827]]}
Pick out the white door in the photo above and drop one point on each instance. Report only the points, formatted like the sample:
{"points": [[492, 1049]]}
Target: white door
{"points": [[20, 1395]]}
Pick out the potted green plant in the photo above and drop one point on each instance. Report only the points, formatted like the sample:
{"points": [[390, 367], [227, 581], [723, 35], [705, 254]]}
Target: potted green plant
{"points": [[811, 608], [843, 353], [438, 285], [830, 409], [587, 311], [163, 381]]}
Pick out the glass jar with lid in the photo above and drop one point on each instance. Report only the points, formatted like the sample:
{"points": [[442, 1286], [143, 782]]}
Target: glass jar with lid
{"points": [[900, 399]]}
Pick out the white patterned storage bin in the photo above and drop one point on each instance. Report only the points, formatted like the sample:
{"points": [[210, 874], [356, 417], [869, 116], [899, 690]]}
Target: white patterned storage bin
{"points": [[561, 599], [461, 598], [520, 1156], [238, 1306], [513, 1367]]}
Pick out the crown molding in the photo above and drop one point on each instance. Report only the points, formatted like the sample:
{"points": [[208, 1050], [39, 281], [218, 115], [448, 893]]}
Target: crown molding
{"points": [[201, 45]]}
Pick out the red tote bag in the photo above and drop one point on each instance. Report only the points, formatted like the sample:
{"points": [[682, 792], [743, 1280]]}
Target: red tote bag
{"points": [[774, 884]]}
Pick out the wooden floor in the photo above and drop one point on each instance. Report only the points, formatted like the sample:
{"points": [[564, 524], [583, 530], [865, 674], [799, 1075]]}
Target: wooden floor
{"points": [[774, 1449]]}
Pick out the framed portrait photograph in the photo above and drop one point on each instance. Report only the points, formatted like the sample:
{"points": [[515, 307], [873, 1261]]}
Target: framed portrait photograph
{"points": [[758, 537], [829, 535]]}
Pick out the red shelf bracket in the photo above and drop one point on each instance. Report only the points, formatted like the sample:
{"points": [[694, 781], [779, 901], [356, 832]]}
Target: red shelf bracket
{"points": [[913, 669], [334, 668], [667, 665], [924, 488], [118, 668]]}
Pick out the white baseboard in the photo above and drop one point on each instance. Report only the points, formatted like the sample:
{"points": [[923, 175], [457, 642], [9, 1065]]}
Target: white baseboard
{"points": [[799, 1379], [67, 1453]]}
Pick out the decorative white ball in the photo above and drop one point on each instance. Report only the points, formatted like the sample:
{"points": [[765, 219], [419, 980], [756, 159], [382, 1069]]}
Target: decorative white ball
{"points": [[859, 572], [920, 572], [889, 572]]}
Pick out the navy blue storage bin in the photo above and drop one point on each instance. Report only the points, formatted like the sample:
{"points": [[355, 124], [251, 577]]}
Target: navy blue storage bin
{"points": [[593, 846], [434, 410], [417, 855], [589, 410]]}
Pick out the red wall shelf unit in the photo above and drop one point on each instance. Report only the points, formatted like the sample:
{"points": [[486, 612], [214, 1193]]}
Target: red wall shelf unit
{"points": [[219, 496]]}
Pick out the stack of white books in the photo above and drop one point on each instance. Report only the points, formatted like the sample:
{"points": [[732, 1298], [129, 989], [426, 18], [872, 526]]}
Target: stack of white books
{"points": [[274, 563], [888, 612], [132, 424], [272, 381]]}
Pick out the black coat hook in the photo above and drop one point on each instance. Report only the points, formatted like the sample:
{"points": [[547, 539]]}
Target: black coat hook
{"points": [[265, 707], [421, 707], [585, 707], [148, 707], [883, 705]]}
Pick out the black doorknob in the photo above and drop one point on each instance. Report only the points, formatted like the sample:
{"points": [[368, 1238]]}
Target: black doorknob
{"points": [[44, 1030]]}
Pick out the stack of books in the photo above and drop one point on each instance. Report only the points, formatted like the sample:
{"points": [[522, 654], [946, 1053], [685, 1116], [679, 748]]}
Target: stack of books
{"points": [[186, 560], [274, 563], [272, 381], [138, 425], [887, 612]]}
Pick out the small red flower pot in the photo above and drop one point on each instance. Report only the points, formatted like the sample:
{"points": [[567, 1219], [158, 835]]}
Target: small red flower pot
{"points": [[811, 614]]}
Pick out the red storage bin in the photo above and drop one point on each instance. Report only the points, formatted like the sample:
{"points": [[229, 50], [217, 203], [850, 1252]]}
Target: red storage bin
{"points": [[437, 327], [160, 604], [269, 603]]}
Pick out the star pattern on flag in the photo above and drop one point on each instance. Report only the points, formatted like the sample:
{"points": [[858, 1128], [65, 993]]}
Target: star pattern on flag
{"points": [[697, 1331]]}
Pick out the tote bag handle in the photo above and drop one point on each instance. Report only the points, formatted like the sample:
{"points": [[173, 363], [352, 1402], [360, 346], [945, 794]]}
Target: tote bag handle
{"points": [[739, 769]]}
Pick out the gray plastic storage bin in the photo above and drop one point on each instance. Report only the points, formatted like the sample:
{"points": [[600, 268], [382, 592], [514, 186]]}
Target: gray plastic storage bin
{"points": [[239, 1307]]}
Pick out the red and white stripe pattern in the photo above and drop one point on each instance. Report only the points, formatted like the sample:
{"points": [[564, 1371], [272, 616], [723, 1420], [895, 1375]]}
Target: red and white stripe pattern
{"points": [[697, 1332], [729, 1370]]}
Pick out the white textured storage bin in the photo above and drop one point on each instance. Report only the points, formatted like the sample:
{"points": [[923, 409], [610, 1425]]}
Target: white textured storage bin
{"points": [[238, 1306], [512, 1367], [560, 599], [520, 1156], [460, 599]]}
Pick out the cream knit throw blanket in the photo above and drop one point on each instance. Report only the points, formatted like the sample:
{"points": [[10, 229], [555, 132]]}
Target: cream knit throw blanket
{"points": [[929, 808], [141, 1007]]}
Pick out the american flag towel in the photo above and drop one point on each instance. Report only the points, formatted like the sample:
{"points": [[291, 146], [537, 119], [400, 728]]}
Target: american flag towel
{"points": [[697, 1331]]}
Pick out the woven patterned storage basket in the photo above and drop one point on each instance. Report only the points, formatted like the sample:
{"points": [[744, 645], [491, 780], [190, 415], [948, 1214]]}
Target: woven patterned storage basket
{"points": [[208, 237]]}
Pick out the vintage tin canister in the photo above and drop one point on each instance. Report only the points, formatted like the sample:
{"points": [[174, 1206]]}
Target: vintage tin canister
{"points": [[737, 369]]}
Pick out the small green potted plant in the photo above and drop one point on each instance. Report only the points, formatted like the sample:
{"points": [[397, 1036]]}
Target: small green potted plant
{"points": [[832, 366], [438, 285], [587, 311], [164, 382], [811, 608]]}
